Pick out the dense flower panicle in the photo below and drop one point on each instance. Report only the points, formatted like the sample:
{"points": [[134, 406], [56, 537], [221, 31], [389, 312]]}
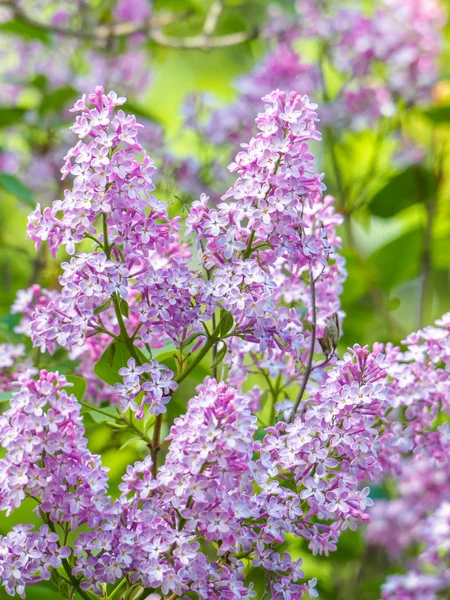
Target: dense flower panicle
{"points": [[109, 181], [140, 261], [27, 557], [420, 387], [203, 492], [429, 577], [331, 448], [35, 300], [421, 486], [262, 247], [47, 456], [415, 448], [269, 225]]}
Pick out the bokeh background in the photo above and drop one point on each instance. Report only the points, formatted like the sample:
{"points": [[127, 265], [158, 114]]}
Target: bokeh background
{"points": [[193, 71]]}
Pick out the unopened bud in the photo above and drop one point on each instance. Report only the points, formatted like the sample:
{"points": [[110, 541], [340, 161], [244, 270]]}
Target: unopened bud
{"points": [[331, 335]]}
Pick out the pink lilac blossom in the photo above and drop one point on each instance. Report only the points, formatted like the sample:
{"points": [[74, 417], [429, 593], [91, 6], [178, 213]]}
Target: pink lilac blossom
{"points": [[111, 190], [226, 496], [262, 247], [420, 387], [416, 449], [30, 300], [269, 222], [27, 557], [47, 456], [429, 578], [205, 490]]}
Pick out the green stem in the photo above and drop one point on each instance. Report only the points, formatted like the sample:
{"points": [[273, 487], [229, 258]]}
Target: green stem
{"points": [[67, 568], [308, 369], [117, 588], [106, 247], [200, 355], [248, 250], [96, 409], [156, 446]]}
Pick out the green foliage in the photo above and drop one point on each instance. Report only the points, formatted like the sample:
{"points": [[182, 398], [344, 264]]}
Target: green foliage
{"points": [[399, 260], [78, 387], [56, 100], [13, 185], [113, 358], [10, 115], [26, 30], [401, 191]]}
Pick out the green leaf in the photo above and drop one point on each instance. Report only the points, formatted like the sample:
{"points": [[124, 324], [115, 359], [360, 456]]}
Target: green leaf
{"points": [[58, 99], [226, 322], [168, 359], [114, 358], [102, 307], [398, 260], [111, 354], [101, 417], [438, 115], [5, 397], [26, 30], [191, 338], [401, 191], [78, 389], [13, 185], [394, 303], [10, 115], [220, 355], [40, 81], [124, 309], [170, 347]]}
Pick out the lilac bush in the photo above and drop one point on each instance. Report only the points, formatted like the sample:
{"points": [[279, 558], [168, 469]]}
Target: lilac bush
{"points": [[249, 287]]}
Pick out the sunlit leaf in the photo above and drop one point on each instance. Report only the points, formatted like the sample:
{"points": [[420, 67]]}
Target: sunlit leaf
{"points": [[78, 389], [401, 191], [399, 260]]}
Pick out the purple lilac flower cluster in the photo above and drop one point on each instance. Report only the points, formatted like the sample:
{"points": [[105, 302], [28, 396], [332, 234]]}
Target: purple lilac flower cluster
{"points": [[112, 191], [328, 450], [262, 248], [429, 578], [13, 362], [269, 232], [157, 385], [388, 57], [47, 456], [32, 299], [420, 387], [267, 284], [27, 557], [415, 448]]}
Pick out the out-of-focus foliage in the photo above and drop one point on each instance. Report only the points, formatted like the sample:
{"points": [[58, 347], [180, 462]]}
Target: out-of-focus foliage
{"points": [[397, 208]]}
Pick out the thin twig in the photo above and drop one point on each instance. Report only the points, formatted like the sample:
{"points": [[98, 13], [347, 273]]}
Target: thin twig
{"points": [[150, 27], [202, 42], [156, 446], [213, 17], [308, 369]]}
